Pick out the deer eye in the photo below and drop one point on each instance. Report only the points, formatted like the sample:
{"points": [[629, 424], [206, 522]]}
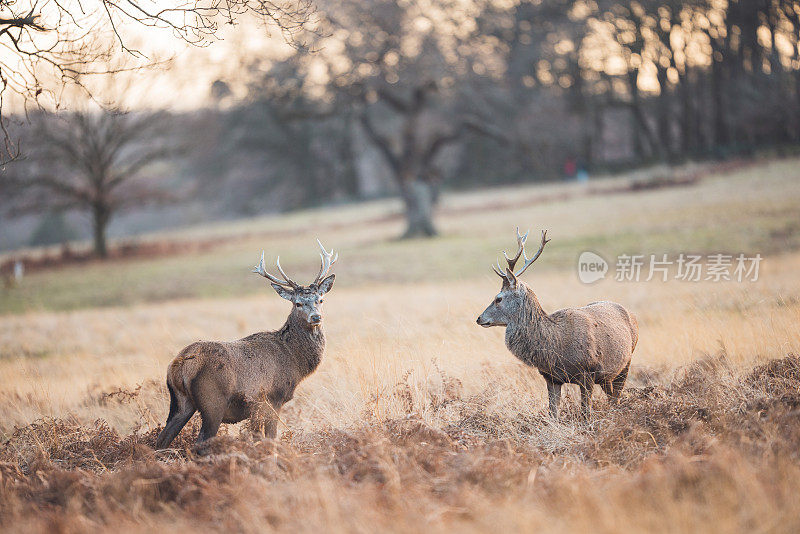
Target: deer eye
{"points": [[497, 300], [298, 304]]}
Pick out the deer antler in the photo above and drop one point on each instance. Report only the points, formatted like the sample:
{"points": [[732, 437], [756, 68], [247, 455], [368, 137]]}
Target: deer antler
{"points": [[521, 239], [327, 259], [528, 262], [262, 270], [520, 250]]}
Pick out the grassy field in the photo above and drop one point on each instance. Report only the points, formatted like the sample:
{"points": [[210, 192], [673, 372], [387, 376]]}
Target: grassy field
{"points": [[418, 419]]}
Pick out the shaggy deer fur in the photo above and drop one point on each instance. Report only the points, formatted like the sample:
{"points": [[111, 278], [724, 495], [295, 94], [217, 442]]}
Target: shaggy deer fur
{"points": [[584, 346], [253, 377]]}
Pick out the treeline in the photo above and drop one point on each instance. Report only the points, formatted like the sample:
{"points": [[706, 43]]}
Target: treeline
{"points": [[482, 93], [404, 96], [700, 78]]}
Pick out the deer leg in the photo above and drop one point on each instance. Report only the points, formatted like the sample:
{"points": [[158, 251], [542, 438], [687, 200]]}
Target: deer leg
{"points": [[180, 411], [271, 428], [608, 388], [264, 419], [586, 385], [212, 418], [554, 396], [618, 383], [174, 427], [212, 403]]}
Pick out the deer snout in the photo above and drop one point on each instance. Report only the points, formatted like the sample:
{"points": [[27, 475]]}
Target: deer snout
{"points": [[315, 318]]}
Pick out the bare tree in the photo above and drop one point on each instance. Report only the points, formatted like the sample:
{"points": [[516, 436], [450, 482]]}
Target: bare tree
{"points": [[403, 74], [49, 43], [411, 156], [89, 161]]}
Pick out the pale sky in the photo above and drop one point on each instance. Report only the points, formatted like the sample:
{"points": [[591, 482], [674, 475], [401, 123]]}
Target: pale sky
{"points": [[182, 83], [185, 83]]}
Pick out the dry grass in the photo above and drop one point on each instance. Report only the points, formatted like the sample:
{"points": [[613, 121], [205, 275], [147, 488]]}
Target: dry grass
{"points": [[57, 363], [713, 450], [754, 209], [418, 419]]}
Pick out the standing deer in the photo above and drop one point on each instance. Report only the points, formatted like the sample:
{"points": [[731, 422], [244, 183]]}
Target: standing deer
{"points": [[228, 382], [584, 346]]}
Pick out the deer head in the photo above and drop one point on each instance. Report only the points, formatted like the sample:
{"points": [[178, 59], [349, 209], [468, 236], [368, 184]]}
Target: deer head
{"points": [[508, 303], [308, 299]]}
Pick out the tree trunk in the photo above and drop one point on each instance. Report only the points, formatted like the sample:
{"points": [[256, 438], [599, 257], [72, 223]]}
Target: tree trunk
{"points": [[644, 140], [100, 217], [721, 138], [664, 114], [797, 104], [597, 151], [636, 126], [418, 197], [688, 141]]}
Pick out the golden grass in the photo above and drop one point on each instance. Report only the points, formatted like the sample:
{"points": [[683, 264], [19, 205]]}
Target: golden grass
{"points": [[417, 418], [55, 361], [711, 450], [752, 210]]}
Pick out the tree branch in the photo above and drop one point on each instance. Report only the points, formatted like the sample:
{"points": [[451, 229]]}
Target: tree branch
{"points": [[383, 143]]}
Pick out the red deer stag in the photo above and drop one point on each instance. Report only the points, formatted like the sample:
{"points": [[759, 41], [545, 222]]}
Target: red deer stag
{"points": [[584, 346], [228, 382]]}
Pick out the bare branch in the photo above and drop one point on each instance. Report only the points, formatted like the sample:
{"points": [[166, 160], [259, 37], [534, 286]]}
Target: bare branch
{"points": [[54, 43], [380, 141], [99, 174]]}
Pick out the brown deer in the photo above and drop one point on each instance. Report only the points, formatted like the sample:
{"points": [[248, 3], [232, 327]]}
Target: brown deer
{"points": [[228, 382], [584, 346]]}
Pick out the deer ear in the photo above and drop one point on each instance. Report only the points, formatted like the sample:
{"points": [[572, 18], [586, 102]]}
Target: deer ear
{"points": [[326, 284], [283, 292], [511, 280]]}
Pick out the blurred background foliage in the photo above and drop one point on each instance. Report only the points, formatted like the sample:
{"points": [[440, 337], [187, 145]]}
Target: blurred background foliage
{"points": [[411, 97]]}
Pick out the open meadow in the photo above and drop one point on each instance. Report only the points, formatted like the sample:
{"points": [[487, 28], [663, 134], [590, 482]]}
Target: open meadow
{"points": [[418, 419]]}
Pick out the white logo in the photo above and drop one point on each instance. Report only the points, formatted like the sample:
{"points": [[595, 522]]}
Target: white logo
{"points": [[591, 267]]}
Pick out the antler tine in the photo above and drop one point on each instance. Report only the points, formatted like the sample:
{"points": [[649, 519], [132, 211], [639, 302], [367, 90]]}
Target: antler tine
{"points": [[528, 262], [520, 250], [283, 274], [261, 269], [498, 270], [327, 259], [521, 239]]}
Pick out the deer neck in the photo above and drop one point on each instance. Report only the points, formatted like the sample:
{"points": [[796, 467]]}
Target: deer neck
{"points": [[531, 331], [531, 312], [303, 343]]}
